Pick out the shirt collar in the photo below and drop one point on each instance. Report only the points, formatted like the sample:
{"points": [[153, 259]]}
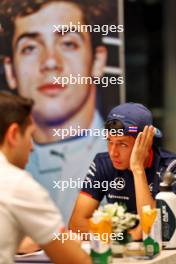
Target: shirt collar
{"points": [[55, 154]]}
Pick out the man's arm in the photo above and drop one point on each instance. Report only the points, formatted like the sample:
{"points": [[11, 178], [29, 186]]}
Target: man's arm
{"points": [[83, 210], [66, 253], [143, 194], [138, 160]]}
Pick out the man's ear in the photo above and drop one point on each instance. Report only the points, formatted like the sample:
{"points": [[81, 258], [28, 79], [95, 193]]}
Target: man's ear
{"points": [[12, 134], [9, 73], [100, 60]]}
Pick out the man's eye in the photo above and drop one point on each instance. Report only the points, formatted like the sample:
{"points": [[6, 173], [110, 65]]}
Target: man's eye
{"points": [[27, 50], [69, 44], [123, 145]]}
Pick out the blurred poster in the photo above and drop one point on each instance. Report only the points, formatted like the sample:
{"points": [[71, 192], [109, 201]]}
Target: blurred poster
{"points": [[63, 55]]}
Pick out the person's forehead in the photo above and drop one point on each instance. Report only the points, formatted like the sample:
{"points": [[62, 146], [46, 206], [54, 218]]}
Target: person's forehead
{"points": [[118, 138], [55, 13]]}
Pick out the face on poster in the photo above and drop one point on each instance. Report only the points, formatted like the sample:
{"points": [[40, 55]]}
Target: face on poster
{"points": [[43, 52], [39, 46]]}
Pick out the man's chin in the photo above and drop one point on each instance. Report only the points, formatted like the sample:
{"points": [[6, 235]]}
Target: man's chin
{"points": [[45, 118]]}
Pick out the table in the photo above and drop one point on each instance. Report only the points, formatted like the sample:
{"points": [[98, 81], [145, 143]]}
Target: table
{"points": [[165, 257], [39, 257]]}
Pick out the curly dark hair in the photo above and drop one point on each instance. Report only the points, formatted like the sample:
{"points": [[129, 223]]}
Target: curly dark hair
{"points": [[93, 13]]}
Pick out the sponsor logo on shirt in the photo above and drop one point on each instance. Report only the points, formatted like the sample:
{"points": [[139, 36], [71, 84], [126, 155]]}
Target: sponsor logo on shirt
{"points": [[112, 196], [120, 183]]}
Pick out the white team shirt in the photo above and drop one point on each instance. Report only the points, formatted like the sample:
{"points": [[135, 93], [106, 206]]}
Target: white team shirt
{"points": [[25, 209]]}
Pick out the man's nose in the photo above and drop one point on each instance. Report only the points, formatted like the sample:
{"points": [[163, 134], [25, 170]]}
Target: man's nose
{"points": [[51, 61], [114, 152]]}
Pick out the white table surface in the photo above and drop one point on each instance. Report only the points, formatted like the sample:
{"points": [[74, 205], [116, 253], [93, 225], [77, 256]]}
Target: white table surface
{"points": [[165, 257]]}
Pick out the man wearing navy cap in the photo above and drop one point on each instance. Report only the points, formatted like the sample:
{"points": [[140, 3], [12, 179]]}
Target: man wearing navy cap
{"points": [[129, 172]]}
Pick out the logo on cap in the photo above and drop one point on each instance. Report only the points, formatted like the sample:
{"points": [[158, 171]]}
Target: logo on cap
{"points": [[132, 129], [118, 116]]}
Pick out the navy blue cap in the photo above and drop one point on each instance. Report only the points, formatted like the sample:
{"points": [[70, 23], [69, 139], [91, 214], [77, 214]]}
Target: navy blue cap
{"points": [[134, 118]]}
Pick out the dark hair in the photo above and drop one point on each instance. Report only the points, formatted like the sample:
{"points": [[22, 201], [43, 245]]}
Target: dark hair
{"points": [[114, 124], [14, 109], [93, 13]]}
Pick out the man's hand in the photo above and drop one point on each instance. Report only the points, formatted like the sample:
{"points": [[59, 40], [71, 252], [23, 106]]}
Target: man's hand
{"points": [[138, 162], [141, 149]]}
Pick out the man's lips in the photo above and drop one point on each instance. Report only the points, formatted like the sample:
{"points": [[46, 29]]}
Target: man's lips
{"points": [[51, 89], [117, 162]]}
